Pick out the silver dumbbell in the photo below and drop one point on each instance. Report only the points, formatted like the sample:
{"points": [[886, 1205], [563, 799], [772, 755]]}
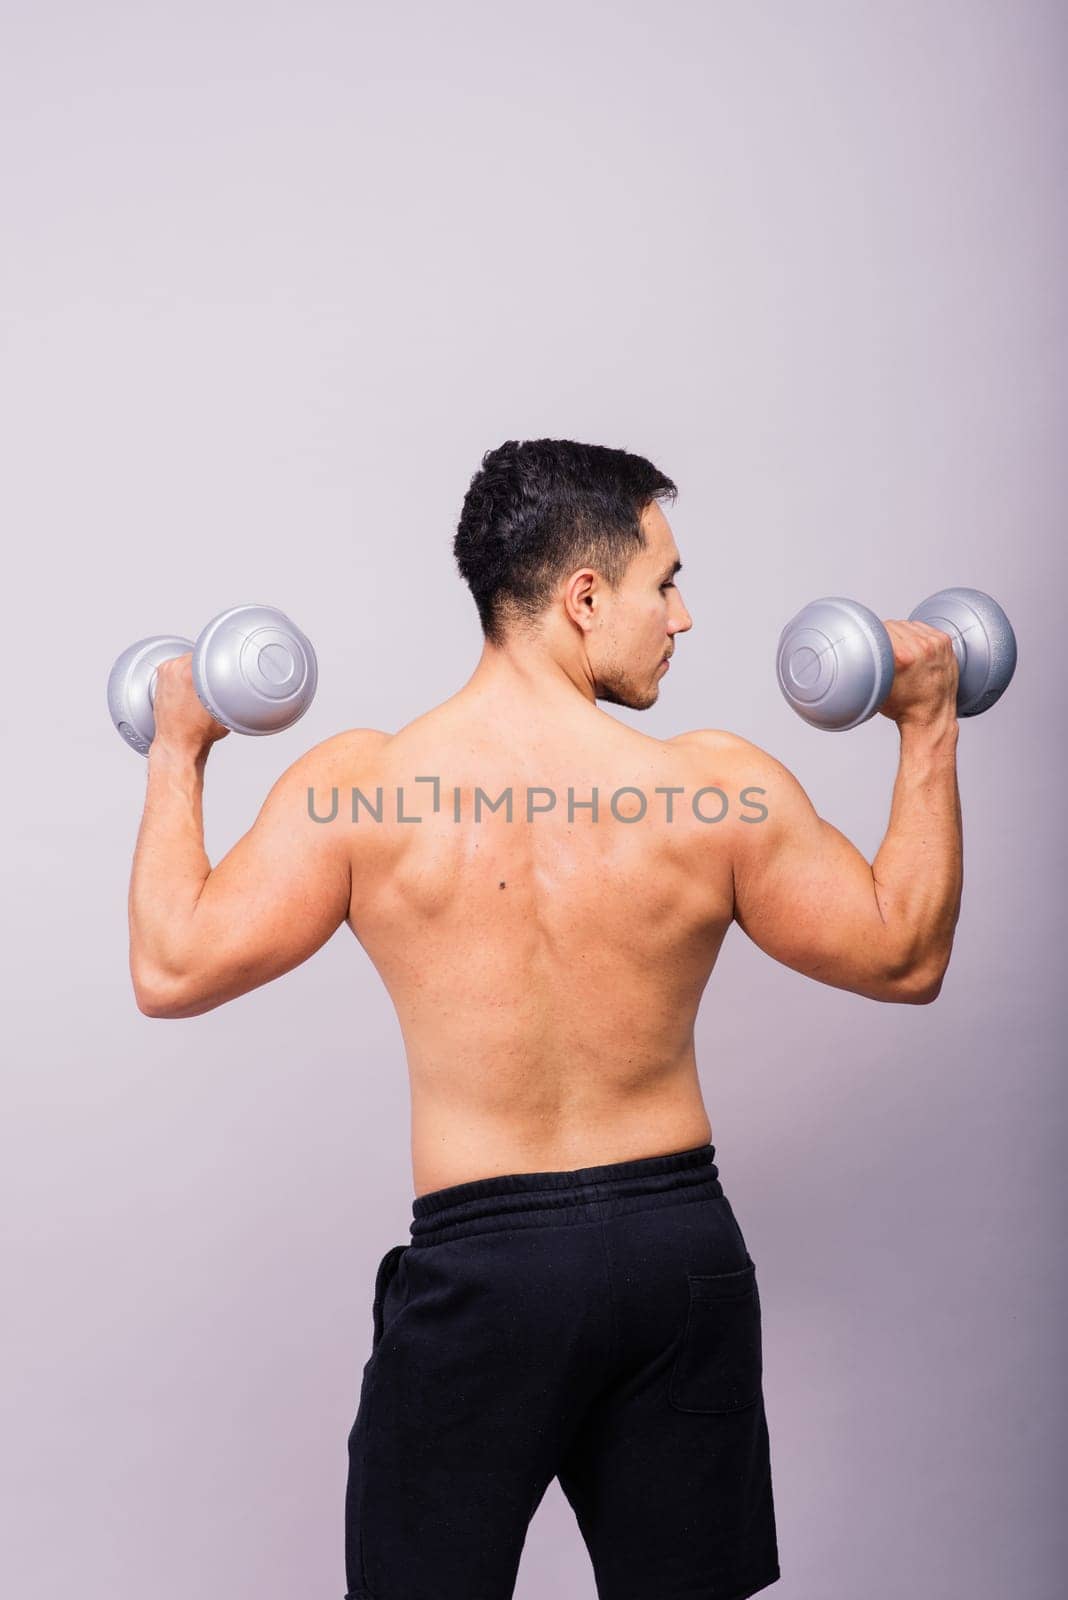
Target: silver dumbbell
{"points": [[835, 661], [253, 669]]}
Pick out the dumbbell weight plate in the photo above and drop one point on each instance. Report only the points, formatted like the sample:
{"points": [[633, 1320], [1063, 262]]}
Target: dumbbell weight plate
{"points": [[983, 643], [835, 663], [132, 686], [254, 669]]}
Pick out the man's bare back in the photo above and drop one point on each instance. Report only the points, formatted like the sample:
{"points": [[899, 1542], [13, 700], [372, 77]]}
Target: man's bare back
{"points": [[546, 972]]}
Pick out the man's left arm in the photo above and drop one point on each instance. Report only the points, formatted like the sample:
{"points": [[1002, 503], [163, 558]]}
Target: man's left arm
{"points": [[200, 936]]}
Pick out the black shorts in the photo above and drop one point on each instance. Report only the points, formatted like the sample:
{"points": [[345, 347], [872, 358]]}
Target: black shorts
{"points": [[600, 1326]]}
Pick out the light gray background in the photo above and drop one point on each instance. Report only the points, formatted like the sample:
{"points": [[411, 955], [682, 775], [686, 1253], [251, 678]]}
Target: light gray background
{"points": [[273, 278]]}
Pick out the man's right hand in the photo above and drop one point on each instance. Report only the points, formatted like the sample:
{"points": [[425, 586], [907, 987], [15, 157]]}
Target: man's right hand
{"points": [[926, 673], [182, 723]]}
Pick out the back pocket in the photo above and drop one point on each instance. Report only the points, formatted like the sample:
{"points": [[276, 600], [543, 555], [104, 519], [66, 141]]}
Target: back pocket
{"points": [[718, 1367]]}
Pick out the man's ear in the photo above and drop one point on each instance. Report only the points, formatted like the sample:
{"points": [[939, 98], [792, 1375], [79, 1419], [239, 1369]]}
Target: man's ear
{"points": [[581, 596]]}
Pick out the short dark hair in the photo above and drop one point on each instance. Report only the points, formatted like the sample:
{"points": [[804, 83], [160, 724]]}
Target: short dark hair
{"points": [[536, 510]]}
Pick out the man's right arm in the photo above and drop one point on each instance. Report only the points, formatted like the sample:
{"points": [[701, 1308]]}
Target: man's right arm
{"points": [[807, 897]]}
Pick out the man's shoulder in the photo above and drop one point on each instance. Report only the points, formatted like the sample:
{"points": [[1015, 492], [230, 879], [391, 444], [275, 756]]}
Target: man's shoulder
{"points": [[718, 756], [351, 742], [336, 758], [717, 741], [708, 737]]}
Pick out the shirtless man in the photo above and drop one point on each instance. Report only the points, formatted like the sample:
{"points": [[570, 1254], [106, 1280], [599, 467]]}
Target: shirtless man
{"points": [[577, 1299]]}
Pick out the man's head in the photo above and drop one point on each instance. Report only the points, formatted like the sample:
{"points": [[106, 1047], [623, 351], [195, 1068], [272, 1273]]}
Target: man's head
{"points": [[564, 545]]}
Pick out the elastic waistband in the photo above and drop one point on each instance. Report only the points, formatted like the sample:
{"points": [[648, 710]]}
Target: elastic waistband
{"points": [[585, 1194]]}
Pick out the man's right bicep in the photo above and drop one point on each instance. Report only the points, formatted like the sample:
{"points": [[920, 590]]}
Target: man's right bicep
{"points": [[806, 896]]}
